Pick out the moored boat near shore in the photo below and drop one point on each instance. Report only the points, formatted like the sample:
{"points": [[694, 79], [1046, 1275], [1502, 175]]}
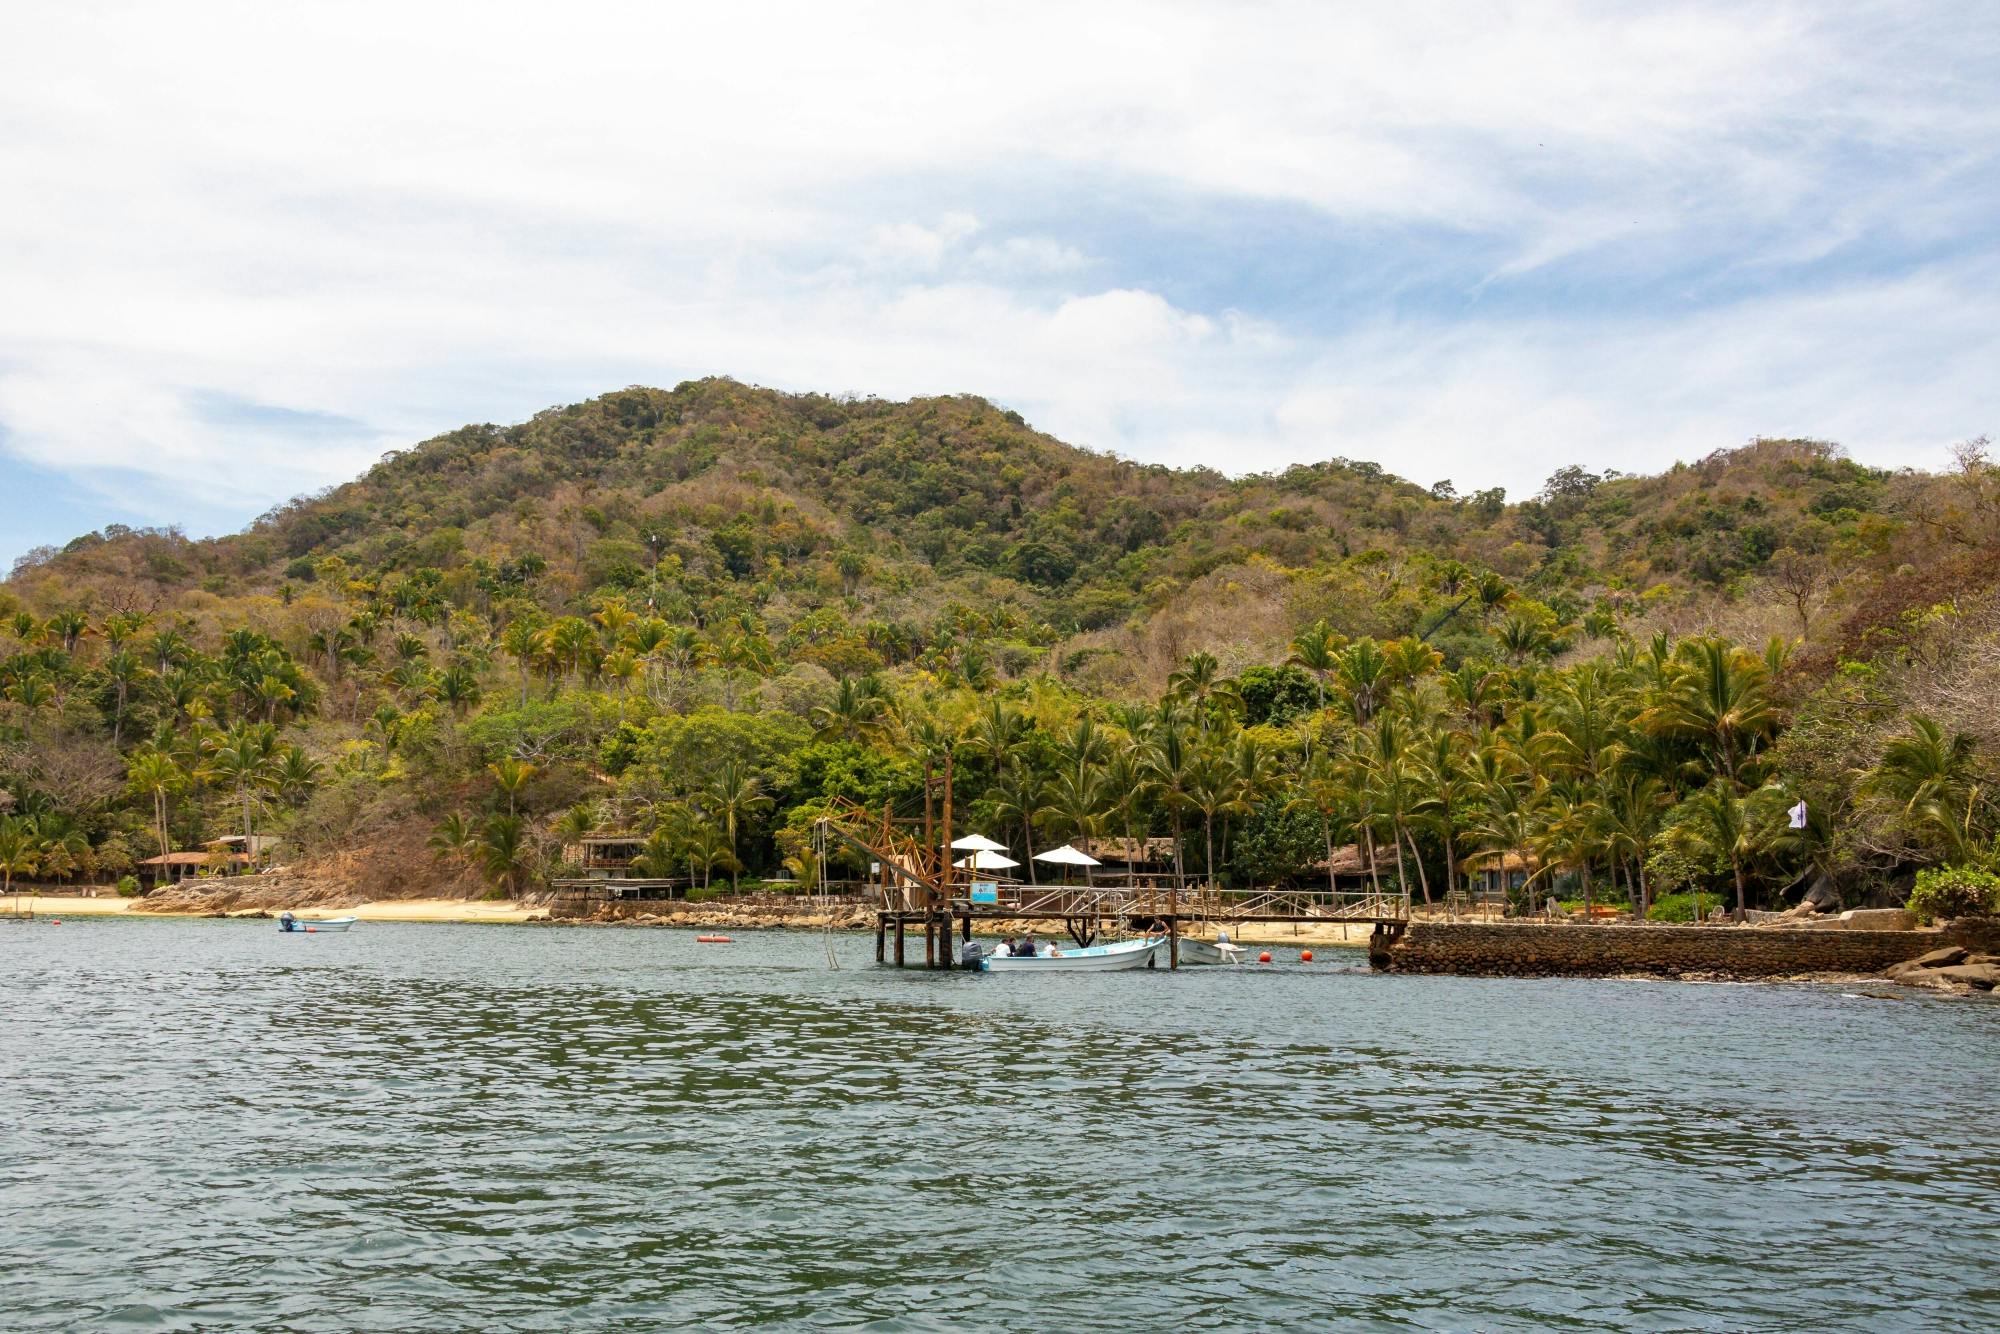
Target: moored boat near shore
{"points": [[1085, 959], [309, 925], [1195, 951]]}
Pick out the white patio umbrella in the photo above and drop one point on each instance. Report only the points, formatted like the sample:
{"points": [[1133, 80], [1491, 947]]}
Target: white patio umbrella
{"points": [[1068, 856], [979, 843], [985, 861]]}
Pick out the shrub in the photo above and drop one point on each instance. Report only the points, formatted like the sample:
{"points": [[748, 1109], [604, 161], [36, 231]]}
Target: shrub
{"points": [[1680, 907], [128, 886], [1954, 891]]}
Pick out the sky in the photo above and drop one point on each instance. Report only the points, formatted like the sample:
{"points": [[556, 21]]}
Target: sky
{"points": [[247, 248]]}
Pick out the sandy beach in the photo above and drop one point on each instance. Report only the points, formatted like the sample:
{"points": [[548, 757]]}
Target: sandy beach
{"points": [[396, 910]]}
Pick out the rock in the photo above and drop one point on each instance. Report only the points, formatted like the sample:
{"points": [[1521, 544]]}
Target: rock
{"points": [[1822, 897], [1934, 980], [1879, 919], [1984, 976], [1943, 958]]}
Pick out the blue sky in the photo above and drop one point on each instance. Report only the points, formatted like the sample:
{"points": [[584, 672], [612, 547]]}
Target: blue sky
{"points": [[250, 247]]}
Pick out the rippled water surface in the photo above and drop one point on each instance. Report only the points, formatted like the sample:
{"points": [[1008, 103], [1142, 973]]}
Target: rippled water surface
{"points": [[209, 1126]]}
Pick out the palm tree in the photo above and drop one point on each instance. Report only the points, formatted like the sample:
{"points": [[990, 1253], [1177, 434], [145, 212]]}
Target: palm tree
{"points": [[457, 688], [1931, 778], [295, 774], [1364, 673], [501, 850], [1169, 759], [855, 713], [245, 760], [1570, 835], [1212, 788], [522, 640], [1723, 825], [154, 773], [708, 847], [454, 839], [1631, 813], [1200, 682], [1323, 789], [1017, 800], [512, 775], [20, 853], [1317, 649], [734, 795], [1717, 699], [122, 669], [1393, 791], [995, 732]]}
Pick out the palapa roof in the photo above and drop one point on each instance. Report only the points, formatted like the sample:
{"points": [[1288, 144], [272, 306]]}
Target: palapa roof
{"points": [[1130, 850], [1501, 861], [190, 858], [1348, 860]]}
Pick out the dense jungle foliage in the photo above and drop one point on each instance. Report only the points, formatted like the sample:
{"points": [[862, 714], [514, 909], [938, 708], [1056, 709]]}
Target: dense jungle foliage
{"points": [[704, 616]]}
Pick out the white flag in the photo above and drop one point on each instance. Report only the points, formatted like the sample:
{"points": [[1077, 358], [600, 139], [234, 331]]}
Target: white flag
{"points": [[1799, 814]]}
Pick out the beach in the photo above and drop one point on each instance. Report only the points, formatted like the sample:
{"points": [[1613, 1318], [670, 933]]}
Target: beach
{"points": [[392, 910]]}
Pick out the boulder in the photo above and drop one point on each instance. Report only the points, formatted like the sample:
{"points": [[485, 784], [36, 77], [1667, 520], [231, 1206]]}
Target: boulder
{"points": [[1984, 976], [1943, 958], [1822, 897], [1879, 919]]}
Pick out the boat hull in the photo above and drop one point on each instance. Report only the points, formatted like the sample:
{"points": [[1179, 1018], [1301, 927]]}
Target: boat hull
{"points": [[1095, 959], [1208, 952], [301, 926]]}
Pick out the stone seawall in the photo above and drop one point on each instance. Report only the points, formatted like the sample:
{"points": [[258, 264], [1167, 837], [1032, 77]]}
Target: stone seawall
{"points": [[1528, 949]]}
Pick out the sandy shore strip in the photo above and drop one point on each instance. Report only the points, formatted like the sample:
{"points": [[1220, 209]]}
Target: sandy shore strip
{"points": [[395, 910]]}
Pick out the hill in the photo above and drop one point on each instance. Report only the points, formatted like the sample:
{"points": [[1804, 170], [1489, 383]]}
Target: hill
{"points": [[613, 589]]}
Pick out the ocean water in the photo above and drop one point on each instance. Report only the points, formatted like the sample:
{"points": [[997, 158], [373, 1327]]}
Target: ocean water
{"points": [[205, 1125]]}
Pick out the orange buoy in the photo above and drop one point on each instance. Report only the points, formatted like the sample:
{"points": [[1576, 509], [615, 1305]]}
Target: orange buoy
{"points": [[713, 940], [1305, 956], [311, 929], [1265, 957]]}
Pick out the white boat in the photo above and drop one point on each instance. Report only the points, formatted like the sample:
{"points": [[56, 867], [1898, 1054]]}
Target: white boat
{"points": [[1194, 951], [1081, 959], [316, 925]]}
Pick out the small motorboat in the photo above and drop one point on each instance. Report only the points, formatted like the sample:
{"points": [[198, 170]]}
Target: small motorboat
{"points": [[1219, 951], [1082, 959], [315, 925]]}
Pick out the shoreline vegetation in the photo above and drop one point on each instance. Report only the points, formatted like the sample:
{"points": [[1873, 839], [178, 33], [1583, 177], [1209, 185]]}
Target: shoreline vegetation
{"points": [[697, 624]]}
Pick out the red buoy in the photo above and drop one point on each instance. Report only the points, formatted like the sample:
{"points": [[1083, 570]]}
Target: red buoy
{"points": [[1265, 957], [1305, 956]]}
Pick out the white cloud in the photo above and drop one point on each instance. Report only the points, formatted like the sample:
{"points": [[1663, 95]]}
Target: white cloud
{"points": [[407, 217]]}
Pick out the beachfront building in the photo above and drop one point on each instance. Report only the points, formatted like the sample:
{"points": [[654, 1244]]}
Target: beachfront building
{"points": [[173, 867]]}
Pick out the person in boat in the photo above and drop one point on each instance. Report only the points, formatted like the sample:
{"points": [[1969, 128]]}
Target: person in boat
{"points": [[287, 922], [1024, 948]]}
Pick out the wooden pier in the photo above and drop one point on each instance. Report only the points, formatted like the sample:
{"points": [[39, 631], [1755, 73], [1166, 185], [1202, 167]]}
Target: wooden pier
{"points": [[919, 884], [1090, 914]]}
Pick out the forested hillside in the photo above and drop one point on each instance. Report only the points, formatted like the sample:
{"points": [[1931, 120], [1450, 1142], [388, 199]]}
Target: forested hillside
{"points": [[704, 614]]}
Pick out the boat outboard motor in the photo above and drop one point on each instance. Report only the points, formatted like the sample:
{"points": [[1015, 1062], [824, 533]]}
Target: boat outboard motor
{"points": [[972, 955]]}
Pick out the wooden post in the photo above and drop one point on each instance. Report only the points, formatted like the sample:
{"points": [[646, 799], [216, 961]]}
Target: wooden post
{"points": [[881, 937], [1174, 942], [944, 842], [899, 940]]}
